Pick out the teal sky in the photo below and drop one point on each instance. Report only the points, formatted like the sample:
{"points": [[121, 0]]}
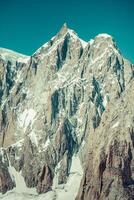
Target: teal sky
{"points": [[27, 24]]}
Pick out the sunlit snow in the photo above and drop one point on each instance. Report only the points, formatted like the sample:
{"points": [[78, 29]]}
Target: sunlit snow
{"points": [[26, 118], [66, 191]]}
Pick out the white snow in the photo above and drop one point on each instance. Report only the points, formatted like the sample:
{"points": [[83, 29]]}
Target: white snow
{"points": [[44, 46], [75, 36], [115, 125], [104, 35], [55, 180], [18, 143], [58, 41], [91, 41], [114, 49], [26, 118], [7, 54], [33, 138], [69, 190], [24, 196], [84, 44], [99, 57], [72, 33], [3, 103], [83, 144], [19, 181], [23, 60], [46, 144], [2, 154], [59, 192], [76, 166], [105, 101]]}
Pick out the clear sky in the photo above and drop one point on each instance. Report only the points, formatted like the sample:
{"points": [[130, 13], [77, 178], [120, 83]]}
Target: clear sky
{"points": [[27, 24]]}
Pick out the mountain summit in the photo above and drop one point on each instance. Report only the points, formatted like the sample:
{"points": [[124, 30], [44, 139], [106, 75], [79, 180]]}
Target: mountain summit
{"points": [[67, 121]]}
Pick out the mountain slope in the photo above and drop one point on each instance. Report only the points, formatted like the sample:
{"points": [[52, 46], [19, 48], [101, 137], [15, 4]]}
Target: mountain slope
{"points": [[58, 120]]}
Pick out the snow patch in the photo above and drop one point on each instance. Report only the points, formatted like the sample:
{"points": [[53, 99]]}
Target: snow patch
{"points": [[84, 44], [72, 33], [2, 155], [104, 35], [76, 166], [75, 36], [19, 181], [55, 180], [16, 196], [23, 59], [98, 58], [91, 41], [33, 138], [66, 192], [50, 49], [105, 101], [13, 56], [83, 144], [18, 143], [70, 189], [115, 125], [26, 118], [44, 146]]}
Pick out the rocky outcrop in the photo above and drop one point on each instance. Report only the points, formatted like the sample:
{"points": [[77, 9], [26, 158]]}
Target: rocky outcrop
{"points": [[45, 180], [109, 166], [70, 99], [6, 181]]}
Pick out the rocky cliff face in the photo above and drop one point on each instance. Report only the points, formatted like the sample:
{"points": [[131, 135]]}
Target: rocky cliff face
{"points": [[67, 112]]}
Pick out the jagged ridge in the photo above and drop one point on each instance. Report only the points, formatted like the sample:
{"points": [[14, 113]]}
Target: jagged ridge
{"points": [[53, 107]]}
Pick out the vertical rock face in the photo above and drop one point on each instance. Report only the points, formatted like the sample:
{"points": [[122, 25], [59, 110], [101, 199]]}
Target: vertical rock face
{"points": [[69, 101], [45, 180], [6, 182], [109, 166]]}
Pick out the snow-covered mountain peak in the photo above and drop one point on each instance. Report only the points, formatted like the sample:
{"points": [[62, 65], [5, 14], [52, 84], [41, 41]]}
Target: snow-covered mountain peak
{"points": [[63, 29], [105, 38], [67, 31], [63, 37], [13, 56], [104, 35], [68, 111]]}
